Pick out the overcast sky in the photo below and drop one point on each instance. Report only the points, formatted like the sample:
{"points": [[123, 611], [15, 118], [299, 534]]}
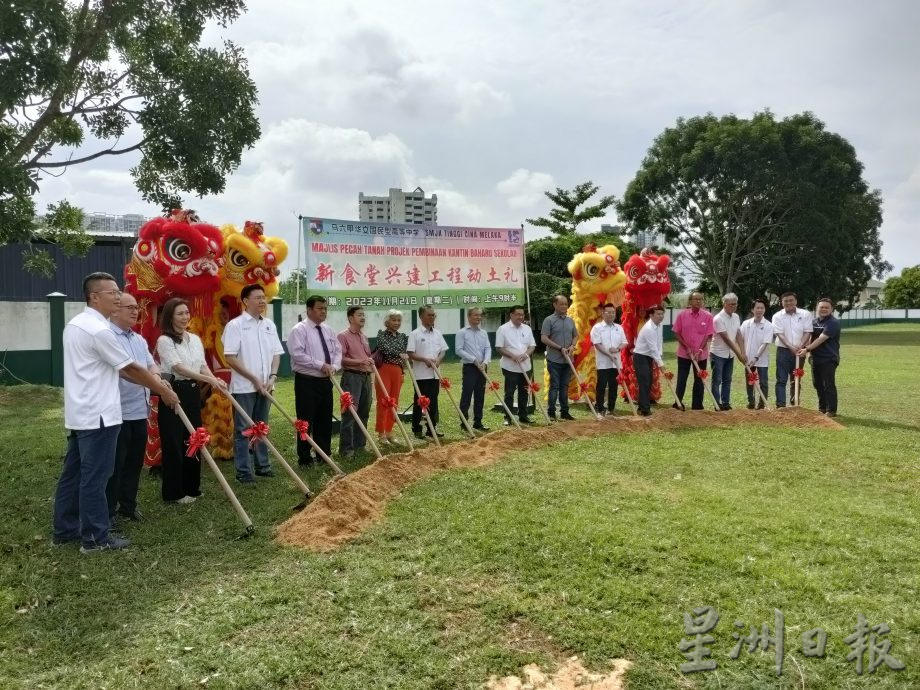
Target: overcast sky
{"points": [[489, 104]]}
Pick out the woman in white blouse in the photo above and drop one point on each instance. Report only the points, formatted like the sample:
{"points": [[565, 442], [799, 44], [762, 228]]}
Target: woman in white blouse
{"points": [[182, 360]]}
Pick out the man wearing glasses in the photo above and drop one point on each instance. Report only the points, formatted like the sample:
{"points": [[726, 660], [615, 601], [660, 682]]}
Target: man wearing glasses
{"points": [[121, 492], [93, 362]]}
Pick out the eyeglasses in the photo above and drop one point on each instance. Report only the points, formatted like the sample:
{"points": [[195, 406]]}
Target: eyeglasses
{"points": [[117, 293]]}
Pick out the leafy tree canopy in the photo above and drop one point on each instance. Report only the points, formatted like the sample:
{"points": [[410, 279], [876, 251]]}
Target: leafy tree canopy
{"points": [[80, 81], [903, 292], [761, 206], [566, 217]]}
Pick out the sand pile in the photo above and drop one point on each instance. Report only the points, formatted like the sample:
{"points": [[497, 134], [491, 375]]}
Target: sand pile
{"points": [[350, 505], [570, 676]]}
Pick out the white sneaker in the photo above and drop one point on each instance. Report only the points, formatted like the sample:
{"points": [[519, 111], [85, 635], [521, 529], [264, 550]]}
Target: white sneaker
{"points": [[185, 500]]}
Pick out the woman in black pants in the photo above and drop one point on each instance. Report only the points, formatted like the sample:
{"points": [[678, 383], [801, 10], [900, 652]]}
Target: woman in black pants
{"points": [[182, 360]]}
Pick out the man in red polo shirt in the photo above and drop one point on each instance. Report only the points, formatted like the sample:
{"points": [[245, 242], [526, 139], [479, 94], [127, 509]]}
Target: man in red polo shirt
{"points": [[693, 329]]}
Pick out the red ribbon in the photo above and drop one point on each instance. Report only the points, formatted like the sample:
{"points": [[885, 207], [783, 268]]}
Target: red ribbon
{"points": [[534, 387], [301, 426], [670, 375], [197, 440], [257, 431], [388, 401], [704, 374], [346, 401], [445, 384], [493, 386], [752, 378], [798, 373], [423, 402]]}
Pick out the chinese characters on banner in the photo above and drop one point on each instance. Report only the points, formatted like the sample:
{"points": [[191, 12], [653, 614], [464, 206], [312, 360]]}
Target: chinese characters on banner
{"points": [[383, 266], [865, 641]]}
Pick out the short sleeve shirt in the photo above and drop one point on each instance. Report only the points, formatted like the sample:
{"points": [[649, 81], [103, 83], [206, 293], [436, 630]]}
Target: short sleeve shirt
{"points": [[756, 335], [255, 343], [425, 343], [189, 353], [728, 326], [135, 399], [516, 340], [792, 326], [561, 330], [92, 359], [607, 336], [829, 350]]}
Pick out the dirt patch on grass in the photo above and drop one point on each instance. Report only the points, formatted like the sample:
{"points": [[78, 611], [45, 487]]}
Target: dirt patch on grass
{"points": [[347, 507], [570, 676]]}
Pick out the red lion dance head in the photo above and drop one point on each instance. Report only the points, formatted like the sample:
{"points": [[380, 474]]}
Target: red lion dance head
{"points": [[647, 280]]}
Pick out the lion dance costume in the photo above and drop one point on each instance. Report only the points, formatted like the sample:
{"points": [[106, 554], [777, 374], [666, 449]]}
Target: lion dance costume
{"points": [[178, 256], [596, 280], [647, 285]]}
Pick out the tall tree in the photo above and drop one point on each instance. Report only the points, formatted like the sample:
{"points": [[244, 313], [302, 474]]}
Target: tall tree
{"points": [[112, 78], [903, 292], [761, 206], [565, 218]]}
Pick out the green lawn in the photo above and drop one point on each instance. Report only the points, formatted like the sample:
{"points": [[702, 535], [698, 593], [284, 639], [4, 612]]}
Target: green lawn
{"points": [[593, 547]]}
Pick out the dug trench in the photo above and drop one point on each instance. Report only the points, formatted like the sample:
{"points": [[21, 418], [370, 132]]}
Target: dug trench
{"points": [[349, 506]]}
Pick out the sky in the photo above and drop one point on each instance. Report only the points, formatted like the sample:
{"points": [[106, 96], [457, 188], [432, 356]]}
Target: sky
{"points": [[489, 104]]}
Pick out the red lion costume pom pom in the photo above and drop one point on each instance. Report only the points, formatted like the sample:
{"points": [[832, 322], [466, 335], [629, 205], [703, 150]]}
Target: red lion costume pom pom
{"points": [[346, 401], [257, 431], [198, 440], [423, 402], [798, 373], [302, 426], [445, 384], [534, 387]]}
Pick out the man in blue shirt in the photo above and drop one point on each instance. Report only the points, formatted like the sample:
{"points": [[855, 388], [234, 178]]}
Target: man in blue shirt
{"points": [[473, 348], [121, 490], [825, 356]]}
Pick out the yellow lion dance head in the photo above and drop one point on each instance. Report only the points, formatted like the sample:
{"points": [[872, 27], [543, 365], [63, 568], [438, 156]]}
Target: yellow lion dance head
{"points": [[251, 258]]}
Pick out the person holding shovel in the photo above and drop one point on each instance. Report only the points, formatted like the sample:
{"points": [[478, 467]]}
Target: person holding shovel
{"points": [[825, 356], [473, 348], [426, 349], [515, 341], [253, 351], [646, 353], [559, 334], [757, 334], [793, 328], [357, 369], [694, 330], [390, 353], [608, 339]]}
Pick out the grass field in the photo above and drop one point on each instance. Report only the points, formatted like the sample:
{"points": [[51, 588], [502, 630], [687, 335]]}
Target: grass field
{"points": [[595, 547]]}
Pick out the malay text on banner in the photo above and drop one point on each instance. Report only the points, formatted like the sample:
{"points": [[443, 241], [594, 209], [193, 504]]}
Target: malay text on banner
{"points": [[386, 266]]}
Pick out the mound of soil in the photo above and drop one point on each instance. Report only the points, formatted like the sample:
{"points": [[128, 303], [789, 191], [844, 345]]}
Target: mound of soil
{"points": [[348, 506], [570, 676]]}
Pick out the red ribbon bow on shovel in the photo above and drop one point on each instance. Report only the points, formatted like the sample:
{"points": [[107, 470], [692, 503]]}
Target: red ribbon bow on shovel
{"points": [[346, 401], [534, 387], [494, 386], [257, 431], [584, 386], [704, 374], [388, 401], [753, 378], [196, 441], [302, 426], [423, 402], [670, 375], [445, 384], [798, 373]]}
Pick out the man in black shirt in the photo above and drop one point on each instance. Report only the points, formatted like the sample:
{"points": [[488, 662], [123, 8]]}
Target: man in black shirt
{"points": [[825, 356]]}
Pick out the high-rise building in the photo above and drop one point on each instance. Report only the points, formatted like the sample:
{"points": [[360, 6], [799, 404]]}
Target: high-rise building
{"points": [[399, 207], [109, 224]]}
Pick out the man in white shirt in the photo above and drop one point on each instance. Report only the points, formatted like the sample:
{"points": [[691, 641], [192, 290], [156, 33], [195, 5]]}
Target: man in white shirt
{"points": [[757, 335], [515, 341], [725, 347], [647, 351], [93, 359], [253, 351], [608, 339], [426, 351], [473, 348], [315, 356], [793, 328], [121, 491]]}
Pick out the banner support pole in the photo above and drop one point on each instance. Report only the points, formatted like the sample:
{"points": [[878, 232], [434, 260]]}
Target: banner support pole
{"points": [[299, 269]]}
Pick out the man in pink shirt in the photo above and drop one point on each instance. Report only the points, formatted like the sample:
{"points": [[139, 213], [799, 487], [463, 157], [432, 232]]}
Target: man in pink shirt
{"points": [[357, 367], [694, 330]]}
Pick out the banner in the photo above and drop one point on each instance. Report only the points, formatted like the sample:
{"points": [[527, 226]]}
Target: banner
{"points": [[390, 266]]}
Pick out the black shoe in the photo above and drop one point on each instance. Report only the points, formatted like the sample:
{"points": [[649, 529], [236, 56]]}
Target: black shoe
{"points": [[481, 427], [264, 473], [134, 515], [761, 405], [645, 413], [550, 414], [727, 408], [780, 405], [831, 414], [567, 417], [526, 420], [679, 406], [420, 434]]}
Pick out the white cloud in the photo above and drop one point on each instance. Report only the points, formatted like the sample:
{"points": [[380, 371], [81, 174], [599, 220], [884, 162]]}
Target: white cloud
{"points": [[524, 189]]}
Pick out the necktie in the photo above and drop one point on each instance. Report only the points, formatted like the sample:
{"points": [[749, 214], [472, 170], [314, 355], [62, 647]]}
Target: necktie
{"points": [[322, 341]]}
